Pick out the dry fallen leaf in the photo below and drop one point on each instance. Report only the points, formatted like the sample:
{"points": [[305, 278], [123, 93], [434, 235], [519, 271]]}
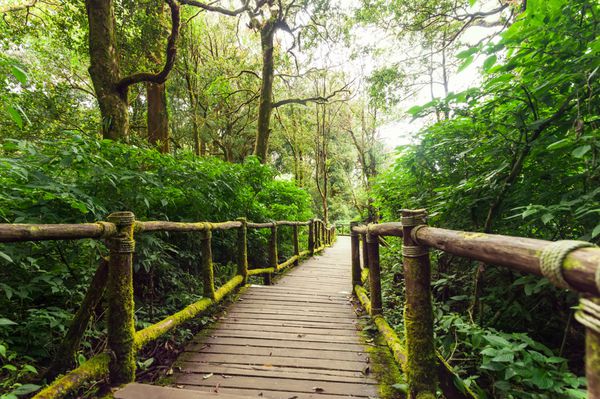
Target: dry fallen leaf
{"points": [[179, 386], [207, 376], [318, 389]]}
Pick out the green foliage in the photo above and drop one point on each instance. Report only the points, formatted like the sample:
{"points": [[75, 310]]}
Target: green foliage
{"points": [[512, 365], [384, 85], [74, 180], [518, 156]]}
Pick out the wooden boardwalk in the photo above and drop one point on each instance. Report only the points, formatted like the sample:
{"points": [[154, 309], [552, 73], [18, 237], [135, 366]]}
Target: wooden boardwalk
{"points": [[296, 339]]}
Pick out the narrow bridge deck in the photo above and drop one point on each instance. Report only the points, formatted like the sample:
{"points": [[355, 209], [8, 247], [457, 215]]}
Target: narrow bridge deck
{"points": [[296, 339]]}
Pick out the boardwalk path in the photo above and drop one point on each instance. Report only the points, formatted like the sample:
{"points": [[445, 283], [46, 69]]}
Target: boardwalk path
{"points": [[296, 339]]}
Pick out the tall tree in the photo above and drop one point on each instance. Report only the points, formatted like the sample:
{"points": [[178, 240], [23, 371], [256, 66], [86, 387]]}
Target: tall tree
{"points": [[105, 65]]}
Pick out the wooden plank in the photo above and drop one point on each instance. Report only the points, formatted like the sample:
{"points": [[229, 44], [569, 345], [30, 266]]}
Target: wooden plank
{"points": [[297, 297], [275, 296], [298, 373], [291, 314], [299, 290], [265, 393], [331, 338], [266, 360], [294, 302], [299, 306], [279, 352], [340, 347], [286, 329], [280, 384], [349, 325], [273, 361], [145, 391]]}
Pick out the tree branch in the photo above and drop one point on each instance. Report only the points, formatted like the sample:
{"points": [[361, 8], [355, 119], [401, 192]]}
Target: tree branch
{"points": [[221, 10], [316, 99], [171, 53]]}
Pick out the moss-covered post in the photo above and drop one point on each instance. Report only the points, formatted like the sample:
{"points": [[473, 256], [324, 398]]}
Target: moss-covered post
{"points": [[273, 257], [208, 273], [296, 244], [121, 330], [242, 250], [589, 316], [355, 254], [311, 237], [374, 274], [418, 312], [365, 251]]}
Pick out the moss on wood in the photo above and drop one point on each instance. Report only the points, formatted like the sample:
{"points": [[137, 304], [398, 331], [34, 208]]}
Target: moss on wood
{"points": [[121, 331], [95, 368]]}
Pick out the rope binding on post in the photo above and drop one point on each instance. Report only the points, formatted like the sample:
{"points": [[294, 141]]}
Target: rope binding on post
{"points": [[414, 251], [588, 314], [414, 219], [553, 257]]}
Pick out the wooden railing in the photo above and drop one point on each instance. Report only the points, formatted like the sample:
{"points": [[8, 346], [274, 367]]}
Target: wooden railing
{"points": [[573, 265], [115, 275]]}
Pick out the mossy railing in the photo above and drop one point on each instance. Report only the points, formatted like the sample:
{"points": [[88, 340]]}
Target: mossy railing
{"points": [[568, 264], [115, 277]]}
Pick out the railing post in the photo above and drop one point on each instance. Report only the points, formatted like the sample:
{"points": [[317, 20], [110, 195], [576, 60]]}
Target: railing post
{"points": [[242, 250], [365, 251], [374, 274], [121, 329], [355, 253], [589, 315], [418, 312], [272, 253], [311, 237], [296, 244], [208, 274]]}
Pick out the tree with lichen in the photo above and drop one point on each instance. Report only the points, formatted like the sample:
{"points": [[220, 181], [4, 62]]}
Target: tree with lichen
{"points": [[110, 85]]}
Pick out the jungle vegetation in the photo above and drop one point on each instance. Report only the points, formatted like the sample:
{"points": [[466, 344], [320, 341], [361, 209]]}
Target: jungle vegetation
{"points": [[188, 110]]}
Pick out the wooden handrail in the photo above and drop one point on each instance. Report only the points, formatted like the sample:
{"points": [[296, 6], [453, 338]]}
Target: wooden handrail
{"points": [[517, 253], [580, 268], [120, 232]]}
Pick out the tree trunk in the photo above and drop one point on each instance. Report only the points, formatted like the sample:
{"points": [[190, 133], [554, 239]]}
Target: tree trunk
{"points": [[265, 108], [105, 71], [158, 116]]}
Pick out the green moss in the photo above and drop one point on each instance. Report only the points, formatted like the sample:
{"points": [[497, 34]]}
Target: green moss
{"points": [[151, 333], [592, 359], [420, 365], [95, 368], [364, 275], [570, 263], [382, 365]]}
